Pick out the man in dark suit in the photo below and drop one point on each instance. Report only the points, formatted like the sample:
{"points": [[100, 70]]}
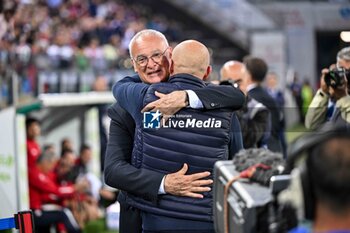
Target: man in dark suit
{"points": [[254, 117], [255, 75], [151, 62]]}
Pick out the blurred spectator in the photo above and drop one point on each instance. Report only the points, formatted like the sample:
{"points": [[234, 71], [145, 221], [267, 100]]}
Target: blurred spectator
{"points": [[95, 54], [33, 148], [273, 90], [84, 204], [6, 20], [100, 85], [278, 96], [66, 144], [54, 3], [82, 162], [23, 51], [64, 168], [295, 87], [81, 60], [43, 190], [256, 71], [111, 51], [306, 96], [49, 147], [81, 170]]}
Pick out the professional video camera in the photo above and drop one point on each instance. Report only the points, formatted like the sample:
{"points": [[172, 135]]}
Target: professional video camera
{"points": [[253, 195], [245, 194], [336, 77]]}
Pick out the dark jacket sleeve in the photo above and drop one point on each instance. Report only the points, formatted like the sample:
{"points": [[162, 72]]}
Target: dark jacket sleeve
{"points": [[119, 173], [129, 93], [236, 141], [221, 96]]}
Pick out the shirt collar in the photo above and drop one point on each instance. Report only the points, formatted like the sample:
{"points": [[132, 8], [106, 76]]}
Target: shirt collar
{"points": [[251, 86]]}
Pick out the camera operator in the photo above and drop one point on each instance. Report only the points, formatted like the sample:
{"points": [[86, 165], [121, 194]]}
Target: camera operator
{"points": [[332, 100], [331, 194]]}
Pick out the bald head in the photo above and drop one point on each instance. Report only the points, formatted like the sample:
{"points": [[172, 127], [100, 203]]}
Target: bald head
{"points": [[191, 57], [233, 70]]}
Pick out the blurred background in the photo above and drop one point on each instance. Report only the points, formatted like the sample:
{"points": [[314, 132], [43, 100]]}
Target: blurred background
{"points": [[60, 58], [55, 46]]}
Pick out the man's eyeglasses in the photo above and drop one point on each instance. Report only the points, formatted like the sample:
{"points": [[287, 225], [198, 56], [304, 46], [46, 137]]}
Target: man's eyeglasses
{"points": [[156, 57]]}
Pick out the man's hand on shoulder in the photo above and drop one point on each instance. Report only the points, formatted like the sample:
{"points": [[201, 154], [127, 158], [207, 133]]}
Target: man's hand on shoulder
{"points": [[180, 184], [168, 104]]}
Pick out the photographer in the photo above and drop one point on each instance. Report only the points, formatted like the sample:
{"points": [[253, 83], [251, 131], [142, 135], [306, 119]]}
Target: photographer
{"points": [[332, 101]]}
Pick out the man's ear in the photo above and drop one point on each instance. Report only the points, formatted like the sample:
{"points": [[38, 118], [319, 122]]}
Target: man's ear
{"points": [[207, 72], [171, 68], [170, 52], [134, 65]]}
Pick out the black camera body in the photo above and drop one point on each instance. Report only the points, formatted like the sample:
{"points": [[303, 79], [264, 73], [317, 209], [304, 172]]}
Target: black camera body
{"points": [[336, 77]]}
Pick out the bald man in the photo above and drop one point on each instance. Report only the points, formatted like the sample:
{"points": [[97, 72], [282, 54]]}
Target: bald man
{"points": [[192, 137], [254, 116], [232, 72]]}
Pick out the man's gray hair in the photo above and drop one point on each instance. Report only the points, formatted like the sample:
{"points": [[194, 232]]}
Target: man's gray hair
{"points": [[47, 155], [146, 32], [344, 54]]}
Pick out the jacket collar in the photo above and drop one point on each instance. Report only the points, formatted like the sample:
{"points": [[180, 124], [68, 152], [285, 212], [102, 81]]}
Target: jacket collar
{"points": [[187, 78]]}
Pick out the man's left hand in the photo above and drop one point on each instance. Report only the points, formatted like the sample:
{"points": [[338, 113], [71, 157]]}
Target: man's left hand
{"points": [[168, 104]]}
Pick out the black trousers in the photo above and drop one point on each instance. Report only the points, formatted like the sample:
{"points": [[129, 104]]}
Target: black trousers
{"points": [[129, 219], [43, 219]]}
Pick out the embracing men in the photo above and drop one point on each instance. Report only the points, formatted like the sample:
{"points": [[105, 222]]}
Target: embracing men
{"points": [[183, 156]]}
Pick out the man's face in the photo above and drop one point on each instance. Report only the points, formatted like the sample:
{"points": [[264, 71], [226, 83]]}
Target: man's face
{"points": [[271, 81], [236, 72], [33, 130], [341, 63], [239, 77], [151, 59], [66, 163], [85, 156]]}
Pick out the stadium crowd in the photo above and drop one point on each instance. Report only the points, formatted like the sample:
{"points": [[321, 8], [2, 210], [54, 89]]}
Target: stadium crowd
{"points": [[69, 43]]}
